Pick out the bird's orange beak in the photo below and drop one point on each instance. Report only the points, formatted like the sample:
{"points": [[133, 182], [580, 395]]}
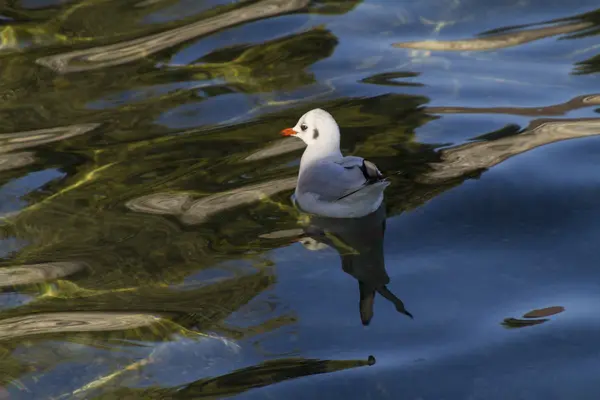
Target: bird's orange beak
{"points": [[288, 132]]}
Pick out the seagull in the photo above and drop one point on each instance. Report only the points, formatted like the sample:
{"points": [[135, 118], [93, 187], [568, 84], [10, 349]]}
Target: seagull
{"points": [[330, 184]]}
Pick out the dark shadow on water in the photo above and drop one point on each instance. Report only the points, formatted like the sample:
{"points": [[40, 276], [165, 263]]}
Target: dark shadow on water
{"points": [[267, 373], [532, 318], [359, 242]]}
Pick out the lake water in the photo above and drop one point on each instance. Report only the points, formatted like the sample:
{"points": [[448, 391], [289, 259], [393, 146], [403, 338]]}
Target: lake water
{"points": [[150, 249]]}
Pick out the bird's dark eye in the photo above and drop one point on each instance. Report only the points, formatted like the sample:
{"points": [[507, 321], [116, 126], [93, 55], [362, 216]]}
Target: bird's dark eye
{"points": [[303, 127]]}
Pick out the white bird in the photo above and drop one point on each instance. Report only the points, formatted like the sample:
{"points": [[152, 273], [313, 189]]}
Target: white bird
{"points": [[330, 184]]}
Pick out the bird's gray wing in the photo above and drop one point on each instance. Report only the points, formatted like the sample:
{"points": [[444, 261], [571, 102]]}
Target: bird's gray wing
{"points": [[331, 180], [369, 170], [351, 161]]}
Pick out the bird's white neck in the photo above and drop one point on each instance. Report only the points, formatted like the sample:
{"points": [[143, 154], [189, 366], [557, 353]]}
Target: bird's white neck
{"points": [[314, 153]]}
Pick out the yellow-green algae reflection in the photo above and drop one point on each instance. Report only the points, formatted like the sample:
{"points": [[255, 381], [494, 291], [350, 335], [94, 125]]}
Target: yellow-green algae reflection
{"points": [[110, 247]]}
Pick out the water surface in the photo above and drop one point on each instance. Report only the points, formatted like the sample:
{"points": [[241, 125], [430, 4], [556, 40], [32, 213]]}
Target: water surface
{"points": [[149, 248]]}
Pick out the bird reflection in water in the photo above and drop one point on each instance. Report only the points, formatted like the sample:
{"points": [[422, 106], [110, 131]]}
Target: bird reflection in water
{"points": [[359, 241]]}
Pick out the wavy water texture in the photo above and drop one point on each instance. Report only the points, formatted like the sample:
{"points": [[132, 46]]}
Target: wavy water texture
{"points": [[22, 140], [462, 160], [494, 42], [16, 160], [36, 273], [150, 249], [120, 53]]}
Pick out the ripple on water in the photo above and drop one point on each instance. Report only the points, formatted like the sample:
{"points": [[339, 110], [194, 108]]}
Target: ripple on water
{"points": [[153, 252]]}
